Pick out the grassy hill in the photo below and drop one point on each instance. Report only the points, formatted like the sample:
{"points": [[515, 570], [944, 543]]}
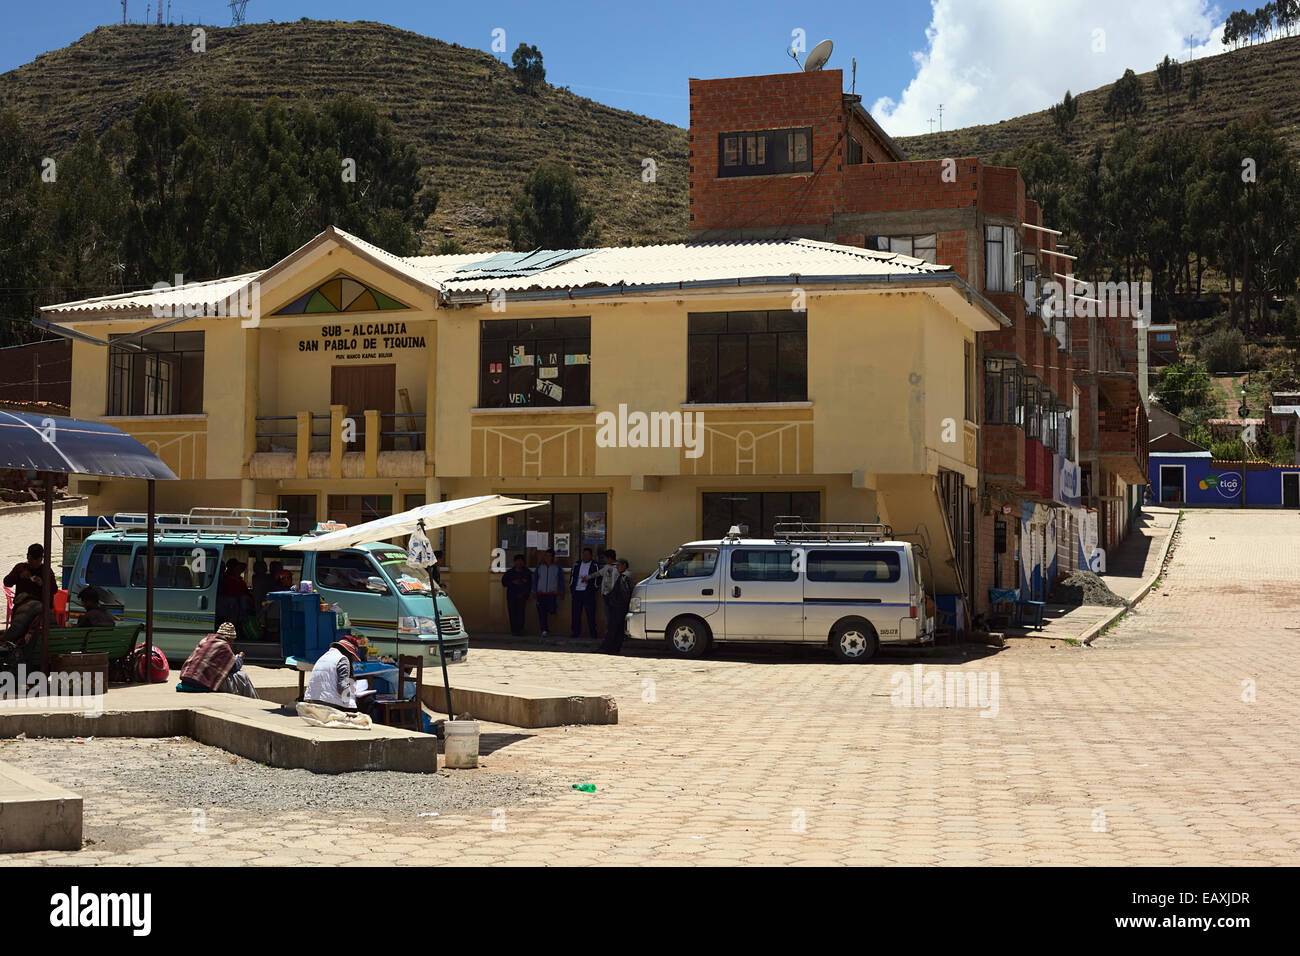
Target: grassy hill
{"points": [[1265, 76], [475, 130]]}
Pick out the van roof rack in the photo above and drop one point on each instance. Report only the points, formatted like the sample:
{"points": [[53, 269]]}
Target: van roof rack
{"points": [[793, 528], [207, 521]]}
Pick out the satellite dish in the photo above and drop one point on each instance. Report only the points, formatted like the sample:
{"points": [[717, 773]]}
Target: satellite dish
{"points": [[818, 57]]}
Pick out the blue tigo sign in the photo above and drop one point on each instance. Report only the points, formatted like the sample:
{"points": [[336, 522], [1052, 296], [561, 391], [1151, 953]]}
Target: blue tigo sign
{"points": [[1229, 484]]}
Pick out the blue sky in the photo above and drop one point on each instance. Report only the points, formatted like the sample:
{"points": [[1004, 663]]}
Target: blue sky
{"points": [[985, 60]]}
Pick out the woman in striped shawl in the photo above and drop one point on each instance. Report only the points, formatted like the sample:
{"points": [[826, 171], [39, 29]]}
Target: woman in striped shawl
{"points": [[214, 666]]}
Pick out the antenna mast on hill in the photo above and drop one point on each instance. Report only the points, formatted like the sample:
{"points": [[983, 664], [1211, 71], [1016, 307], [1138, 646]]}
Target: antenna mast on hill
{"points": [[159, 12], [237, 12], [123, 12]]}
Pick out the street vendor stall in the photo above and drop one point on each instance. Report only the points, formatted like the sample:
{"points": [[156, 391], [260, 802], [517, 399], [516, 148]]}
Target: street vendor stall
{"points": [[415, 523]]}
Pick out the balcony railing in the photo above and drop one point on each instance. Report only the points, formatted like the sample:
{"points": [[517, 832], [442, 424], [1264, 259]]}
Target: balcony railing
{"points": [[279, 433]]}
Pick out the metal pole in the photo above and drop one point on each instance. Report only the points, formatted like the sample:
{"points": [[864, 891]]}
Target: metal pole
{"points": [[47, 575], [148, 588], [442, 656]]}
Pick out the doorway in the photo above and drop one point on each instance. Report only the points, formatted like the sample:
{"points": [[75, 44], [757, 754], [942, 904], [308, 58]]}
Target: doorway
{"points": [[1291, 489], [1172, 479], [362, 388]]}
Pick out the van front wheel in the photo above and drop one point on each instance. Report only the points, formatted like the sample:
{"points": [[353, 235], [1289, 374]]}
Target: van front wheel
{"points": [[853, 642], [688, 637]]}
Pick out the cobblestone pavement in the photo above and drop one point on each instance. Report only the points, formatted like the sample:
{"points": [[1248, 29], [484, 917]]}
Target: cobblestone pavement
{"points": [[1171, 741]]}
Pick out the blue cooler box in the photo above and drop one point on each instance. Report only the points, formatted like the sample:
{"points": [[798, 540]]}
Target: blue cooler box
{"points": [[306, 632]]}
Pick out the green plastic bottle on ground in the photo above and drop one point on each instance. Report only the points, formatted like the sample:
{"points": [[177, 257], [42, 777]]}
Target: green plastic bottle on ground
{"points": [[585, 787]]}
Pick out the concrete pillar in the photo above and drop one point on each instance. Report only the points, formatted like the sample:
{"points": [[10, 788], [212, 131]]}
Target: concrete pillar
{"points": [[337, 414], [372, 442], [431, 402], [303, 445], [252, 374], [247, 493]]}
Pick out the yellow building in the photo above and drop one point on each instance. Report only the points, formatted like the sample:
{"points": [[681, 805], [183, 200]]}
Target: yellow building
{"points": [[652, 395]]}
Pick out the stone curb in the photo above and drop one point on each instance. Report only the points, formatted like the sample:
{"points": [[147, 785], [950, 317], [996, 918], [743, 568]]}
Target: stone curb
{"points": [[61, 505]]}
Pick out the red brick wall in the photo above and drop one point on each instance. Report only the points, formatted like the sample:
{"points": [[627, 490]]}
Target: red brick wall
{"points": [[887, 187], [1004, 453], [778, 101]]}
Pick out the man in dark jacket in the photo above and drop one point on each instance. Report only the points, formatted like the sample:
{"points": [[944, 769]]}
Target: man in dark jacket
{"points": [[584, 593], [33, 585], [518, 584], [620, 599]]}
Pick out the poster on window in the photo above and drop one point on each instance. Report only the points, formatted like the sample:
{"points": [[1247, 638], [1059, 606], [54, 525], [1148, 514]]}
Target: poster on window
{"points": [[593, 527], [519, 356], [550, 390], [561, 545]]}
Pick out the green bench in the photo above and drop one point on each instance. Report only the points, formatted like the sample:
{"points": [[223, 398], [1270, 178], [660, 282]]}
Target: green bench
{"points": [[117, 641]]}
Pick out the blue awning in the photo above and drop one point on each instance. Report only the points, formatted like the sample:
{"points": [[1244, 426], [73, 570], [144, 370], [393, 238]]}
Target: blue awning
{"points": [[52, 443]]}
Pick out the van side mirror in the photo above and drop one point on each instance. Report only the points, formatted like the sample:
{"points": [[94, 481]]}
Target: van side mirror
{"points": [[376, 584]]}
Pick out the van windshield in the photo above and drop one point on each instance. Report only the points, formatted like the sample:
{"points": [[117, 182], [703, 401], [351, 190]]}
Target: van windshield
{"points": [[407, 578], [691, 563]]}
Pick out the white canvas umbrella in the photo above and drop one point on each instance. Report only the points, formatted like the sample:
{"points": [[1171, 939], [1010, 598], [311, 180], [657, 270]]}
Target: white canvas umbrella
{"points": [[424, 518]]}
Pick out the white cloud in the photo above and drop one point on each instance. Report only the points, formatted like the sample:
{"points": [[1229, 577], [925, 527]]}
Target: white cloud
{"points": [[989, 60]]}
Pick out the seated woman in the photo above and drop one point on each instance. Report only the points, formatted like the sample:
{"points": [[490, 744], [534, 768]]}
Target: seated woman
{"points": [[215, 667], [94, 615]]}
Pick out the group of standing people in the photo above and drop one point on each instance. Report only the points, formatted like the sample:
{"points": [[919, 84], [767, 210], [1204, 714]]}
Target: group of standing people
{"points": [[609, 579]]}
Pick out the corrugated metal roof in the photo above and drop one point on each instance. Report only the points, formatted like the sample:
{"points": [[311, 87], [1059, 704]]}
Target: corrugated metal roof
{"points": [[172, 298], [685, 264], [620, 268]]}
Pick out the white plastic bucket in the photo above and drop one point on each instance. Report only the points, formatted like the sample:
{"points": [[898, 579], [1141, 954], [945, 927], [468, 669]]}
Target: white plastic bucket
{"points": [[460, 744]]}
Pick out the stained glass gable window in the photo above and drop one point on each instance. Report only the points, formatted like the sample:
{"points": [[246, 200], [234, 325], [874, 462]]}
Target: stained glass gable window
{"points": [[341, 294]]}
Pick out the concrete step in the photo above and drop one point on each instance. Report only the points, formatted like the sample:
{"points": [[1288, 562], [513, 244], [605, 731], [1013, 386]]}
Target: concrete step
{"points": [[36, 814]]}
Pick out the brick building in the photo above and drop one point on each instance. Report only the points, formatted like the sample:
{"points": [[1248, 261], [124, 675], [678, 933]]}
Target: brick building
{"points": [[1062, 428]]}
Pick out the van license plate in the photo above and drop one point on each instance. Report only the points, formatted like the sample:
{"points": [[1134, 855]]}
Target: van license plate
{"points": [[457, 655]]}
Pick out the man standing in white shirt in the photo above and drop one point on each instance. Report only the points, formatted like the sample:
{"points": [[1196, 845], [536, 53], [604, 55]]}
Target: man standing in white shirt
{"points": [[583, 593]]}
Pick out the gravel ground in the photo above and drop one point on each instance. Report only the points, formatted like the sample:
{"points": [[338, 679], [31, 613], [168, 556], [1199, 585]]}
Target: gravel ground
{"points": [[1084, 587], [183, 774]]}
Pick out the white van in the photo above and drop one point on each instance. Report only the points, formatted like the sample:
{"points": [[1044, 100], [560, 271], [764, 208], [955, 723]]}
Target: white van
{"points": [[849, 585]]}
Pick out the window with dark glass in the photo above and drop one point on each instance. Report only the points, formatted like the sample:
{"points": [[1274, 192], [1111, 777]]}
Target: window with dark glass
{"points": [[691, 563], [855, 152], [866, 566], [107, 565], [747, 357], [567, 523], [1033, 414], [1002, 392], [918, 247], [1067, 432], [164, 377], [300, 510], [757, 510], [768, 564], [356, 509], [1000, 271], [540, 363], [345, 571], [188, 568], [765, 152]]}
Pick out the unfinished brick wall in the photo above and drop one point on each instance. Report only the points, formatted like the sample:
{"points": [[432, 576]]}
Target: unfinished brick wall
{"points": [[750, 103]]}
